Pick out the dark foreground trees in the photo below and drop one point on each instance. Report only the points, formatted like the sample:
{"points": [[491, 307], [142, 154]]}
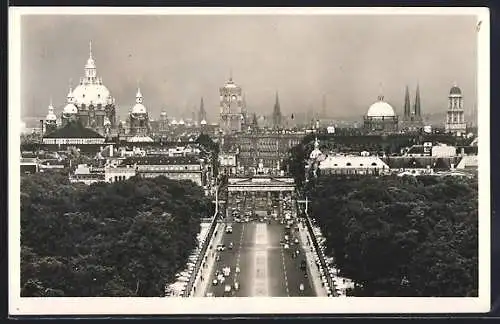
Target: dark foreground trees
{"points": [[402, 236], [122, 239]]}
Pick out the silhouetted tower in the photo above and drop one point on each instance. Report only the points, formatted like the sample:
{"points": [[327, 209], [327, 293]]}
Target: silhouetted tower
{"points": [[202, 115], [407, 106], [416, 109], [277, 113]]}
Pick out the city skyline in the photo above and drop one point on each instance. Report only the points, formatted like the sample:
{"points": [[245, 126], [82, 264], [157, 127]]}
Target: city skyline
{"points": [[350, 62]]}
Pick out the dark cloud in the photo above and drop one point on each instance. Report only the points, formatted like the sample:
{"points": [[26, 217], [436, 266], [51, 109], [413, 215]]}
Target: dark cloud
{"points": [[178, 59]]}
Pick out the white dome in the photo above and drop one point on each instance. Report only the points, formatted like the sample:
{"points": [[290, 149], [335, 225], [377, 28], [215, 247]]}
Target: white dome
{"points": [[139, 109], [181, 122], [203, 122], [92, 93], [51, 116], [70, 109], [380, 109], [174, 122]]}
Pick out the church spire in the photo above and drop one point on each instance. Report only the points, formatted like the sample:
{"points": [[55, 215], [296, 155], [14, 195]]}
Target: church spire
{"points": [[407, 104], [417, 103], [277, 112]]}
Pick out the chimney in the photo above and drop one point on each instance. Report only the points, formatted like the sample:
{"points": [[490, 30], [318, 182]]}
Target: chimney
{"points": [[111, 150], [462, 151]]}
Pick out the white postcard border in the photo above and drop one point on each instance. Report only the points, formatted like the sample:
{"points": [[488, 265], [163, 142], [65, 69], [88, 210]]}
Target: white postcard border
{"points": [[296, 305]]}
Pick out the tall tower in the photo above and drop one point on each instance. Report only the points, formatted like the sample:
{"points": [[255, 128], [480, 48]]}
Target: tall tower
{"points": [[231, 103], [455, 119], [202, 114], [277, 112], [407, 114], [416, 106]]}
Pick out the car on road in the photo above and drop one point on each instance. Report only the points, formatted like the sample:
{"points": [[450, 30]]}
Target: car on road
{"points": [[236, 286], [215, 282], [286, 246], [229, 229], [296, 241], [221, 247], [227, 288], [210, 294], [303, 265]]}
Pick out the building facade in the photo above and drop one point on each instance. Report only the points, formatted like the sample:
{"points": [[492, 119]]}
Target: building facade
{"points": [[176, 168], [266, 148]]}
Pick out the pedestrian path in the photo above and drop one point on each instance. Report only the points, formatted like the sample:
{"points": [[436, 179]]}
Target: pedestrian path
{"points": [[203, 276], [315, 276]]}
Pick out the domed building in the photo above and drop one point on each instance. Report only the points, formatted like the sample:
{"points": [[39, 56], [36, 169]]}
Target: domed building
{"points": [[70, 111], [93, 100], [380, 118], [138, 117], [50, 120]]}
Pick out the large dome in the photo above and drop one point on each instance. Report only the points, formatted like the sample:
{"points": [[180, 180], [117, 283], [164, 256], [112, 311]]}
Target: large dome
{"points": [[70, 109], [139, 109], [91, 94], [380, 109]]}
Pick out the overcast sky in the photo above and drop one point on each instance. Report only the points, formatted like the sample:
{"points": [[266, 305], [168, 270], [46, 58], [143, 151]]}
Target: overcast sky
{"points": [[178, 59]]}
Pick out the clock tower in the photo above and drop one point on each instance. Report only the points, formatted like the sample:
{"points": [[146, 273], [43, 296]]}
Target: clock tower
{"points": [[231, 107]]}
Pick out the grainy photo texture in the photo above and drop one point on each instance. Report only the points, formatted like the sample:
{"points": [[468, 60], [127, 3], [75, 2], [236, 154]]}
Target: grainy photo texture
{"points": [[249, 155]]}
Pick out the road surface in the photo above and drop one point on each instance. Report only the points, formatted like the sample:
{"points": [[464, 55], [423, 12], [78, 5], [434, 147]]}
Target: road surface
{"points": [[267, 269]]}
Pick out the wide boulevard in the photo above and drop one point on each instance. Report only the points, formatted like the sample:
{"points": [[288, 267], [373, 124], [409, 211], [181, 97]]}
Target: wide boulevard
{"points": [[264, 246]]}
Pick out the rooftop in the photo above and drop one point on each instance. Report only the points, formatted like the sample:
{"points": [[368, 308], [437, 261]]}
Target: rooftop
{"points": [[73, 130]]}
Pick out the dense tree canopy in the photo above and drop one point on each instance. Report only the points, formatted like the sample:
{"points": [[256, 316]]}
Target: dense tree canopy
{"points": [[383, 231], [212, 147], [121, 239]]}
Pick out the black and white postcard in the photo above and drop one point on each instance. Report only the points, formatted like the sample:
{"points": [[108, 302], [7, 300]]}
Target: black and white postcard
{"points": [[248, 160]]}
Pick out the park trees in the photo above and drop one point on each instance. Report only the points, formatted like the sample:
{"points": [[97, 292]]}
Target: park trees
{"points": [[383, 229], [122, 239]]}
